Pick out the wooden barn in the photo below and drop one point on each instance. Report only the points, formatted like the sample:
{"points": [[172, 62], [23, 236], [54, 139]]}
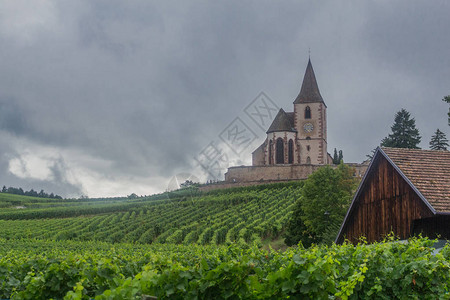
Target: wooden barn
{"points": [[404, 191]]}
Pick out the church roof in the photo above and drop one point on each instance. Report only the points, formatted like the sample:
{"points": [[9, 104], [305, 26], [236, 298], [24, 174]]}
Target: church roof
{"points": [[282, 122], [290, 116], [310, 90]]}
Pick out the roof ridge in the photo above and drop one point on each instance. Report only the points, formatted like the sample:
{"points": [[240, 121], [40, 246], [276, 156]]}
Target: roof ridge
{"points": [[414, 149]]}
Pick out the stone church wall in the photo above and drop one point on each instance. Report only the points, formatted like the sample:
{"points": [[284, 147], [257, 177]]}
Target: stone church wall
{"points": [[258, 156], [280, 172]]}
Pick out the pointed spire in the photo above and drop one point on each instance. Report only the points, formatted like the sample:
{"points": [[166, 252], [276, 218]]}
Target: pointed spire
{"points": [[310, 90], [282, 122]]}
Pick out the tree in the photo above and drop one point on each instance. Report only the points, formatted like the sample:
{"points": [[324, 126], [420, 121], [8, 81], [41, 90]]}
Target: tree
{"points": [[296, 230], [188, 184], [335, 157], [438, 141], [324, 201], [447, 99], [372, 153], [4, 190], [404, 132]]}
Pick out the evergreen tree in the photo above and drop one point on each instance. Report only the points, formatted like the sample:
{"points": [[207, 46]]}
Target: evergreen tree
{"points": [[4, 190], [447, 99], [341, 156], [335, 157], [372, 153], [438, 141], [404, 132]]}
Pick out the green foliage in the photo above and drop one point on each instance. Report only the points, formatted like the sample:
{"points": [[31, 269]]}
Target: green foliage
{"points": [[296, 231], [32, 193], [244, 215], [320, 210], [438, 141], [371, 154], [404, 132], [337, 158], [86, 270], [447, 99]]}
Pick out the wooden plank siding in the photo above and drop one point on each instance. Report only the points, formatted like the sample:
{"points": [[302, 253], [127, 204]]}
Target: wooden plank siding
{"points": [[385, 203], [436, 227]]}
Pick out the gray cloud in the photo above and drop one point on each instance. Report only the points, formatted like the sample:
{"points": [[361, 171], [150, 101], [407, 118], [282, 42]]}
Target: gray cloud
{"points": [[137, 90], [12, 117]]}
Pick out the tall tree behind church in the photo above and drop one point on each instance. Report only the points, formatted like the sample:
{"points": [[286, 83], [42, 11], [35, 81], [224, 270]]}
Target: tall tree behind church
{"points": [[447, 99], [335, 157], [404, 132], [439, 141]]}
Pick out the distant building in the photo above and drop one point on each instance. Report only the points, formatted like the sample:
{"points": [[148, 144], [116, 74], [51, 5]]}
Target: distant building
{"points": [[296, 142], [298, 137], [404, 191]]}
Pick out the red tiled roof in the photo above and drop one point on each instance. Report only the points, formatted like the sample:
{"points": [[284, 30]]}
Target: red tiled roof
{"points": [[428, 171]]}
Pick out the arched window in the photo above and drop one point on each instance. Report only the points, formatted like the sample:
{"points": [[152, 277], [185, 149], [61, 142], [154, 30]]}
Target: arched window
{"points": [[280, 151], [307, 113], [308, 137], [308, 160], [291, 152], [270, 152]]}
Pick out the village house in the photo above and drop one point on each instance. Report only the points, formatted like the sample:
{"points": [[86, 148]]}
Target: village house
{"points": [[404, 191]]}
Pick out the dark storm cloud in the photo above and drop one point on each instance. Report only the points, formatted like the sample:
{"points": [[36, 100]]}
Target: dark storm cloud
{"points": [[12, 117], [144, 86]]}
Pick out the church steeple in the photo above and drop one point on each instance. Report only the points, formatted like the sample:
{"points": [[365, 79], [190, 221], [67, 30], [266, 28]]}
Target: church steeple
{"points": [[309, 92]]}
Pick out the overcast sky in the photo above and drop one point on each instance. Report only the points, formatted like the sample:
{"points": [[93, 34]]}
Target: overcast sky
{"points": [[107, 98]]}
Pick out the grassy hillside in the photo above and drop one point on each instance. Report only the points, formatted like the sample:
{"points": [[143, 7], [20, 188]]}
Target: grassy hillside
{"points": [[244, 215]]}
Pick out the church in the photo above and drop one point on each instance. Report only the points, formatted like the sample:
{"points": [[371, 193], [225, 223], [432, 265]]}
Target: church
{"points": [[296, 142], [298, 137]]}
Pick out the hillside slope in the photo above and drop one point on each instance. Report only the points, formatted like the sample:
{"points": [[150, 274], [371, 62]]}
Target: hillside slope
{"points": [[244, 215]]}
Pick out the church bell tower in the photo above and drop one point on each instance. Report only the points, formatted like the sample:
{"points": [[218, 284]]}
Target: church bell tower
{"points": [[311, 121]]}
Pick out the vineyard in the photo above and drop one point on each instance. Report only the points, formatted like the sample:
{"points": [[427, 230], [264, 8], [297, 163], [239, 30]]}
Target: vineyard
{"points": [[38, 269], [245, 215], [189, 245]]}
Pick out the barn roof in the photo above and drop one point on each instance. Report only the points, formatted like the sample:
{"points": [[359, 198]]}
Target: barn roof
{"points": [[282, 122], [310, 90], [428, 171]]}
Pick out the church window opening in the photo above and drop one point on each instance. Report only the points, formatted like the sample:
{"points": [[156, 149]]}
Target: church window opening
{"points": [[308, 138], [308, 147], [291, 152], [308, 160], [280, 151], [270, 152], [307, 113]]}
